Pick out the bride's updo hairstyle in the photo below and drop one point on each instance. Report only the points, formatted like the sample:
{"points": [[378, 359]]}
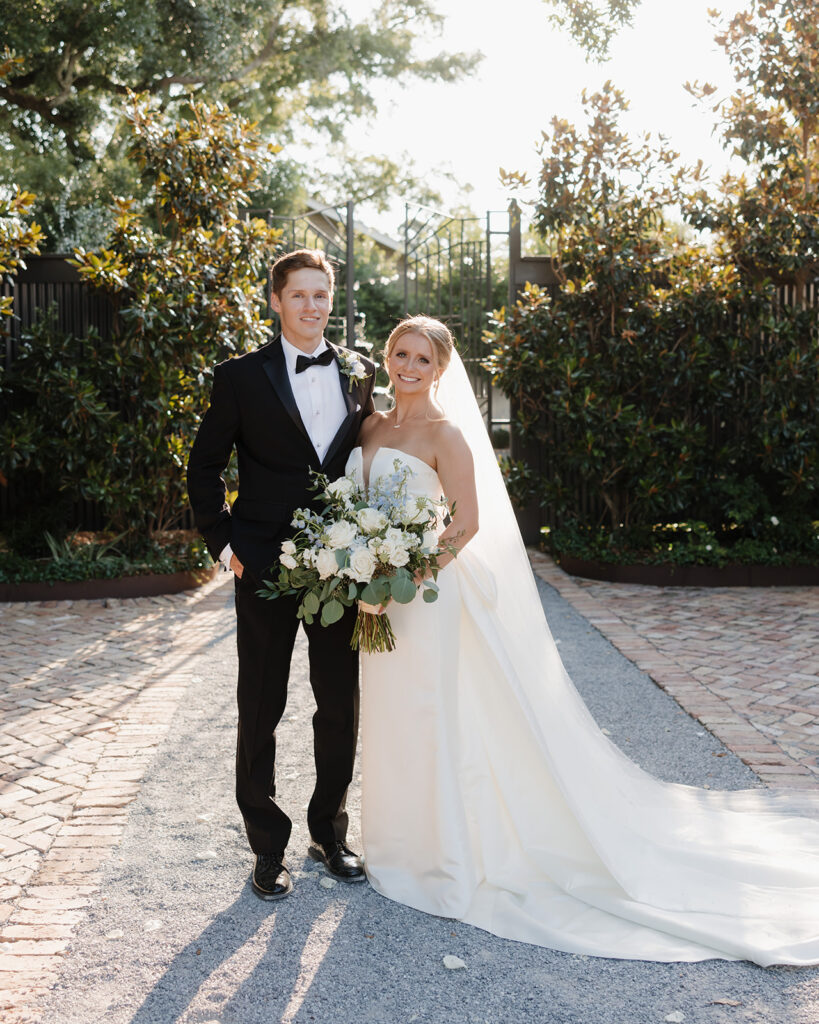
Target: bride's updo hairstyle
{"points": [[436, 333]]}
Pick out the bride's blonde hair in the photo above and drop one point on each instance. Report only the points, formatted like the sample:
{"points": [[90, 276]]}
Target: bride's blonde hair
{"points": [[436, 333]]}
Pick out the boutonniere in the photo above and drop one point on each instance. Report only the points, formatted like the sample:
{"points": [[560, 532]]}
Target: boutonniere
{"points": [[352, 367]]}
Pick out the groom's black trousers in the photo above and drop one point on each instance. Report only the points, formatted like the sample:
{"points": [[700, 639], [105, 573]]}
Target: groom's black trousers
{"points": [[265, 634]]}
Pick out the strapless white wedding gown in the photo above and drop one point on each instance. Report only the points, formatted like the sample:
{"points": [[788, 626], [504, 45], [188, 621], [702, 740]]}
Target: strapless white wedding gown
{"points": [[502, 804]]}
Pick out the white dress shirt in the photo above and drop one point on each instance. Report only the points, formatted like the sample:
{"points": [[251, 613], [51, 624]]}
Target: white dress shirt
{"points": [[317, 391]]}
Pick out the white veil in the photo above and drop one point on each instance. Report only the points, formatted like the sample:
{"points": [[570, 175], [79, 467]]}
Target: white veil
{"points": [[714, 858]]}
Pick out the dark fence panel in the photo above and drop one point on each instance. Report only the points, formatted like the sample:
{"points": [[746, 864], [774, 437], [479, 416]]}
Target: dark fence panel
{"points": [[50, 282]]}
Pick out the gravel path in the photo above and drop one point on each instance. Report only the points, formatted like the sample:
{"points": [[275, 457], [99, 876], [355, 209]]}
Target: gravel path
{"points": [[177, 935]]}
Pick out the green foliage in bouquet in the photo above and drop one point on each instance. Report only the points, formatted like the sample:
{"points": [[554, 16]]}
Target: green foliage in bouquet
{"points": [[360, 548]]}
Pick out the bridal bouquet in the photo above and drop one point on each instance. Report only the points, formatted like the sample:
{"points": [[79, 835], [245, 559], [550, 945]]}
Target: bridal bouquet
{"points": [[364, 548]]}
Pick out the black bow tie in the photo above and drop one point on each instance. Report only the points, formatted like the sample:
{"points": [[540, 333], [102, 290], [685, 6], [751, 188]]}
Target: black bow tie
{"points": [[326, 357]]}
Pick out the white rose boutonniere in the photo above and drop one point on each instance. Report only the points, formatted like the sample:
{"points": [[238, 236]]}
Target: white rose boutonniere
{"points": [[352, 367]]}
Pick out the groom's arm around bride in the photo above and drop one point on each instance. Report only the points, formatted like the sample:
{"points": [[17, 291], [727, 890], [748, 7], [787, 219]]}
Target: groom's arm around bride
{"points": [[288, 408]]}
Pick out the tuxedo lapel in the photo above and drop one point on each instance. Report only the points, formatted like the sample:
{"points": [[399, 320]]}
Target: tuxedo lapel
{"points": [[276, 369]]}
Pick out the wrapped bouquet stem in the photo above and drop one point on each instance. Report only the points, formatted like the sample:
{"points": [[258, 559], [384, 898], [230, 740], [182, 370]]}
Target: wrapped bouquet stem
{"points": [[373, 630]]}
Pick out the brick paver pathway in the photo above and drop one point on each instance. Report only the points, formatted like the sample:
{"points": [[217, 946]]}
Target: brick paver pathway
{"points": [[87, 691], [744, 661]]}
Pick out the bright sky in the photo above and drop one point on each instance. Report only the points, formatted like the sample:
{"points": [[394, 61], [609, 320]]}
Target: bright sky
{"points": [[532, 72]]}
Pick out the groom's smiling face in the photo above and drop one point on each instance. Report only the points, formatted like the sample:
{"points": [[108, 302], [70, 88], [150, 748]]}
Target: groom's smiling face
{"points": [[304, 307]]}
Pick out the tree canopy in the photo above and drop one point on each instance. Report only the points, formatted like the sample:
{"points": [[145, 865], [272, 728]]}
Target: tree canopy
{"points": [[301, 69], [593, 24], [767, 215]]}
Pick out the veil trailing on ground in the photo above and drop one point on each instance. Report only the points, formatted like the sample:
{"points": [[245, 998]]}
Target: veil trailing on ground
{"points": [[693, 873]]}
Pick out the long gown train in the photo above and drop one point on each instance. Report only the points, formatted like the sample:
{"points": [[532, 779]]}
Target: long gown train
{"points": [[489, 795]]}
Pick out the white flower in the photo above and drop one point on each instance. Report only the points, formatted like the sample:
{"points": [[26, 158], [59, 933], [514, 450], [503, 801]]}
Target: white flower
{"points": [[371, 520], [341, 488], [340, 534], [326, 564], [707, 547], [289, 561], [352, 367], [393, 549], [414, 511], [429, 542], [288, 547], [398, 557], [362, 565], [775, 521]]}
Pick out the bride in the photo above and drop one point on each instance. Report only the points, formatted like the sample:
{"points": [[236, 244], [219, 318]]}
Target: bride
{"points": [[488, 792]]}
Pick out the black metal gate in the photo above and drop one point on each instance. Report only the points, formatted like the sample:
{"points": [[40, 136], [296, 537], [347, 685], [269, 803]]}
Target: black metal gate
{"points": [[448, 273], [331, 229], [442, 265]]}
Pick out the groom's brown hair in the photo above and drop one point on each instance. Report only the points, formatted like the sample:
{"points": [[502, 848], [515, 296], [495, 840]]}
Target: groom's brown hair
{"points": [[299, 259]]}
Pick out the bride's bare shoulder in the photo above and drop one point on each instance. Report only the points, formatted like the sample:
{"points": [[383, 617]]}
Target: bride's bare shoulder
{"points": [[449, 440], [370, 424]]}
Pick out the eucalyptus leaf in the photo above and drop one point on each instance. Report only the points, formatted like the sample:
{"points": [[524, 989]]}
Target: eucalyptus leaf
{"points": [[331, 612], [370, 594], [402, 589]]}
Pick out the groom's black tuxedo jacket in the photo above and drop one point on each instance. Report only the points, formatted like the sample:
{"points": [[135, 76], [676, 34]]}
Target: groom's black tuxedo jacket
{"points": [[252, 408]]}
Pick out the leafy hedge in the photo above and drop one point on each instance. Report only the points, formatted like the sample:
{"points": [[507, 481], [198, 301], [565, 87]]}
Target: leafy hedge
{"points": [[90, 557], [699, 409], [666, 399], [111, 419]]}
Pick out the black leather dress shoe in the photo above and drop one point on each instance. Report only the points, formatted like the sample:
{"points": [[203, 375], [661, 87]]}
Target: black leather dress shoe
{"points": [[339, 860], [270, 879]]}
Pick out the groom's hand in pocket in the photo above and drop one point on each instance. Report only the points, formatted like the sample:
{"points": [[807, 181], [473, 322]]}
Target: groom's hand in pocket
{"points": [[236, 566]]}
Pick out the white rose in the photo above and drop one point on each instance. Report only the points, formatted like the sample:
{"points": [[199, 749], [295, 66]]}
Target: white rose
{"points": [[341, 534], [371, 520], [341, 488], [289, 548], [429, 542], [385, 550], [775, 521], [326, 563], [362, 565], [398, 556], [289, 561]]}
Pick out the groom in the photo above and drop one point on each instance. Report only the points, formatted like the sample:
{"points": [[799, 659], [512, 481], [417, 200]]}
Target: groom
{"points": [[292, 406]]}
